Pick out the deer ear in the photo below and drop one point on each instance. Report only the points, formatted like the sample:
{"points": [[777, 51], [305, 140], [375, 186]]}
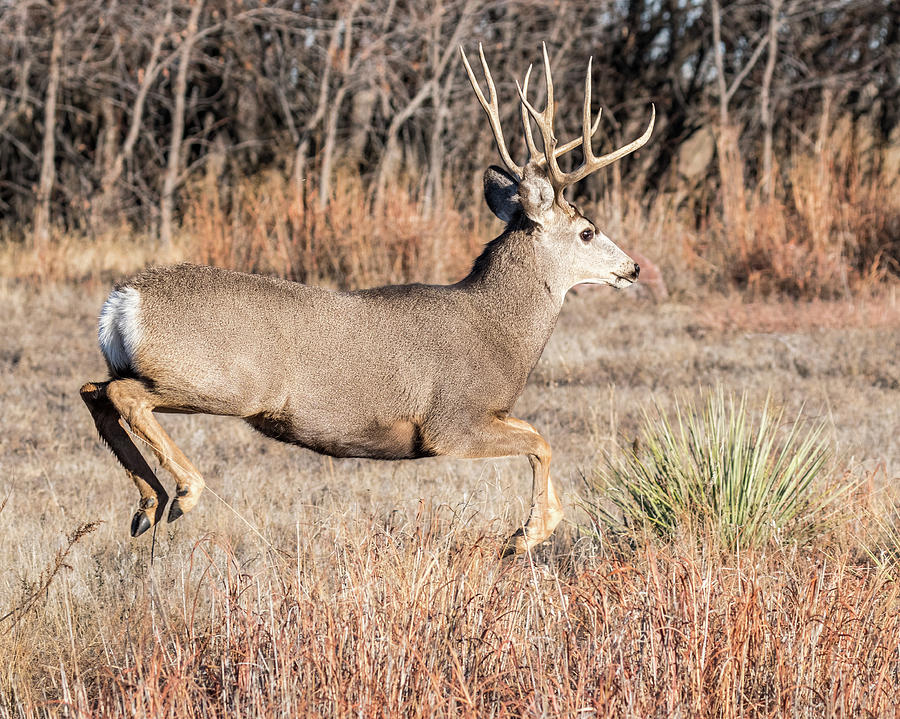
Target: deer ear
{"points": [[535, 193], [500, 192]]}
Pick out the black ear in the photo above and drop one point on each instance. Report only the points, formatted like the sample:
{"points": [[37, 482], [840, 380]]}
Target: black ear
{"points": [[501, 193]]}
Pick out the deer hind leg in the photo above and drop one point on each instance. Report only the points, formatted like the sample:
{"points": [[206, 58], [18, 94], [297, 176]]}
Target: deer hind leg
{"points": [[510, 436], [136, 403], [108, 422]]}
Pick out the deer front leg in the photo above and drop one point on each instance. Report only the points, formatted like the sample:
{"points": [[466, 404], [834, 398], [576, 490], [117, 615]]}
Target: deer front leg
{"points": [[509, 436], [546, 509]]}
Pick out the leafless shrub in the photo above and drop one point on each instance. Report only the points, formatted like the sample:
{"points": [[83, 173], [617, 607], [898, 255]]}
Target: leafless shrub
{"points": [[151, 101]]}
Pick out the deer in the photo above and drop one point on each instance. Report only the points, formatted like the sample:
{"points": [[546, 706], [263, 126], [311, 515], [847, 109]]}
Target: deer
{"points": [[394, 372]]}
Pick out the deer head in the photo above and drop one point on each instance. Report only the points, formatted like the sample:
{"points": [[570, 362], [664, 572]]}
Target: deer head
{"points": [[531, 196]]}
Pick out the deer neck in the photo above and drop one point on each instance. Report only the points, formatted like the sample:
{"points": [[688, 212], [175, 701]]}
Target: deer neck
{"points": [[513, 291]]}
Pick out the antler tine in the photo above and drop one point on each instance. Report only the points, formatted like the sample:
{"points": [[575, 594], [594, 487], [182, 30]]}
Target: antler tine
{"points": [[544, 121], [533, 153], [586, 115], [592, 164], [577, 142], [491, 107], [548, 78]]}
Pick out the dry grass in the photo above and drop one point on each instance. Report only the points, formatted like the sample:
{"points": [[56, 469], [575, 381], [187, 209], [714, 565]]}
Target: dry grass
{"points": [[374, 588], [830, 229], [101, 259], [421, 620], [270, 226], [273, 226]]}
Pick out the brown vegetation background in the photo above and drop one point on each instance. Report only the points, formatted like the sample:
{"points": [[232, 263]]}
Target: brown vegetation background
{"points": [[340, 141]]}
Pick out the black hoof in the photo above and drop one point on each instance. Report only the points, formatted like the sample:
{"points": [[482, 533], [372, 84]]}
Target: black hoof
{"points": [[512, 546], [174, 511], [140, 523]]}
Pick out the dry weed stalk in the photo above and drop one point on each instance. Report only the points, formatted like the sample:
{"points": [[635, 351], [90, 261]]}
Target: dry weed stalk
{"points": [[34, 590], [420, 620]]}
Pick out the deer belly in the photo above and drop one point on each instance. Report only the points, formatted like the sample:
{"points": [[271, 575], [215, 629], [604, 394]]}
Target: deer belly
{"points": [[375, 439]]}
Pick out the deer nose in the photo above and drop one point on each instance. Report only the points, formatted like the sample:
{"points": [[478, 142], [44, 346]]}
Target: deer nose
{"points": [[637, 270]]}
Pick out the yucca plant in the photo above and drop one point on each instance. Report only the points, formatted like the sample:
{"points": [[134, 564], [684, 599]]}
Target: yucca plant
{"points": [[714, 470]]}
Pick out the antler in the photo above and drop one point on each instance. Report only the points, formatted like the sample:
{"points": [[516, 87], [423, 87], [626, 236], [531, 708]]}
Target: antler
{"points": [[492, 108], [533, 152], [551, 153], [544, 120]]}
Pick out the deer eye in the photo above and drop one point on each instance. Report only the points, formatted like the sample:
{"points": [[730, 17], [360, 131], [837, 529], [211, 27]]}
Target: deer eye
{"points": [[587, 235]]}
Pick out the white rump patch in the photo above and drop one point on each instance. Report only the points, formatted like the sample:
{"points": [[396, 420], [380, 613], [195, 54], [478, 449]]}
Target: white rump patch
{"points": [[119, 331]]}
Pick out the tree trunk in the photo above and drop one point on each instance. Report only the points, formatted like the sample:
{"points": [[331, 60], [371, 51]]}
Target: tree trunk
{"points": [[106, 156], [328, 146], [331, 121], [171, 179], [765, 106], [390, 157], [362, 109], [299, 170], [48, 152], [720, 63], [434, 185], [731, 166]]}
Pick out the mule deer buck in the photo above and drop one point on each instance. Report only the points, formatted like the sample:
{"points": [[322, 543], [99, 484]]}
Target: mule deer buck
{"points": [[389, 373]]}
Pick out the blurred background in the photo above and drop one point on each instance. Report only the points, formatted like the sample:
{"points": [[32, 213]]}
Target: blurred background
{"points": [[340, 141]]}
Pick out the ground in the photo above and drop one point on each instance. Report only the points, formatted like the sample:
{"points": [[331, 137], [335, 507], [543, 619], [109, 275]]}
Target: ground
{"points": [[613, 355]]}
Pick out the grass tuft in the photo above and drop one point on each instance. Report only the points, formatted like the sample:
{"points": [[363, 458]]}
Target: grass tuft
{"points": [[714, 470], [879, 529]]}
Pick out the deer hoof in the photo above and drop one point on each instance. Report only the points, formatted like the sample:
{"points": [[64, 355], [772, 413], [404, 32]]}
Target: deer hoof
{"points": [[516, 544], [140, 523], [175, 510]]}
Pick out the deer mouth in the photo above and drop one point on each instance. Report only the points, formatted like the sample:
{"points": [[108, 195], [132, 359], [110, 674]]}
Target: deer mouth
{"points": [[615, 280], [623, 280]]}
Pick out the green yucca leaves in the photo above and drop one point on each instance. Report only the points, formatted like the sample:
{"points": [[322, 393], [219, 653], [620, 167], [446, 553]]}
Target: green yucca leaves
{"points": [[714, 470]]}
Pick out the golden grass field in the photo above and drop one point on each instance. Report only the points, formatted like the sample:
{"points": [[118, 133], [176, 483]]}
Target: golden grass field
{"points": [[306, 586]]}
